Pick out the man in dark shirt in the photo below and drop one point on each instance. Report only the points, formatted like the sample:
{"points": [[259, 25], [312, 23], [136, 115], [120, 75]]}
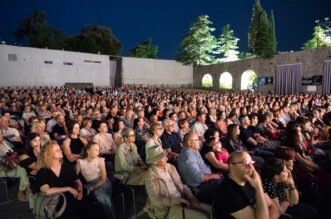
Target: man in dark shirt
{"points": [[171, 139], [249, 140], [241, 194]]}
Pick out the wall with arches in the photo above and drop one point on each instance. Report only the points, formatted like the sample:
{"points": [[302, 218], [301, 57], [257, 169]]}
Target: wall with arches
{"points": [[312, 64]]}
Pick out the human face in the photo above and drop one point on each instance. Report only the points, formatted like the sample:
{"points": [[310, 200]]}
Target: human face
{"points": [[237, 130], [1, 136], [169, 127], [162, 162], [131, 137], [121, 125], [75, 129], [242, 166], [158, 131], [40, 128], [94, 151], [103, 128], [194, 142], [57, 152], [216, 137], [289, 164], [35, 142], [283, 176]]}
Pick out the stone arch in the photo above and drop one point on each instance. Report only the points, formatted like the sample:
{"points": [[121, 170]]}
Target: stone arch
{"points": [[226, 80], [247, 79], [207, 80]]}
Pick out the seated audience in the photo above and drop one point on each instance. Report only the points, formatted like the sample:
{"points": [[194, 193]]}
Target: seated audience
{"points": [[194, 172], [167, 193]]}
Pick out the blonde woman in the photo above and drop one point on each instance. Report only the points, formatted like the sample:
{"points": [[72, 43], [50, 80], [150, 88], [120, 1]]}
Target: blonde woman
{"points": [[39, 128], [56, 176]]}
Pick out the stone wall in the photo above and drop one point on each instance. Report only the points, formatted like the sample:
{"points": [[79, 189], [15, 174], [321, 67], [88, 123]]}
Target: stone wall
{"points": [[312, 64]]}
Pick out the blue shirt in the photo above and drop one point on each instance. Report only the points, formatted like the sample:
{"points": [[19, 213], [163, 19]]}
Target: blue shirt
{"points": [[191, 167], [171, 141]]}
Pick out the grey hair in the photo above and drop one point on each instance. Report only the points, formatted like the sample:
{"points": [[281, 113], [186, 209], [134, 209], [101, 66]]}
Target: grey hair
{"points": [[164, 122], [125, 132]]}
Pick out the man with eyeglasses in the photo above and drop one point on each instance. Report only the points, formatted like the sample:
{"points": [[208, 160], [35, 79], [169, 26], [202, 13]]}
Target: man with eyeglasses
{"points": [[194, 172], [241, 194], [170, 139]]}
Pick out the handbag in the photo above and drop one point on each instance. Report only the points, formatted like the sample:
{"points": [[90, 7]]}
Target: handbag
{"points": [[11, 160]]}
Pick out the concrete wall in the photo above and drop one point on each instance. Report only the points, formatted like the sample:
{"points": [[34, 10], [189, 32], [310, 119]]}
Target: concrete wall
{"points": [[155, 72], [30, 68], [312, 64]]}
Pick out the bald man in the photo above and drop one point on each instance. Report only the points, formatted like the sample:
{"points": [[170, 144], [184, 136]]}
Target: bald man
{"points": [[241, 194]]}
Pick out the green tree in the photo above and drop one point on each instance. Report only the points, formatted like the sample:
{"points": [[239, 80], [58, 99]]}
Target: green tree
{"points": [[261, 35], [35, 32], [319, 39], [198, 45], [95, 39], [29, 25], [227, 45], [47, 36], [144, 50]]}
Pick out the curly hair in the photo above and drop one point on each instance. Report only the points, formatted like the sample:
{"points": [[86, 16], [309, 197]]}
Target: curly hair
{"points": [[45, 154]]}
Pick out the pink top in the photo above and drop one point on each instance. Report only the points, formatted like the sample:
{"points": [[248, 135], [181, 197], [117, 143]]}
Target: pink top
{"points": [[223, 155]]}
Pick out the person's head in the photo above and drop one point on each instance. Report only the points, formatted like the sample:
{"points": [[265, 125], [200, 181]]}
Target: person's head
{"points": [[91, 150], [240, 164], [156, 130], [73, 128], [244, 120], [60, 119], [183, 124], [274, 169], [168, 125], [129, 114], [32, 143], [221, 115], [212, 137], [254, 119], [118, 125], [128, 135], [4, 122], [201, 117], [38, 127], [101, 127], [173, 117], [48, 153], [233, 132], [156, 155], [87, 123], [287, 155], [153, 119], [191, 141]]}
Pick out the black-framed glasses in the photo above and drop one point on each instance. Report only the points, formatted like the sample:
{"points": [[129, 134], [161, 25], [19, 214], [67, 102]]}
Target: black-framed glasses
{"points": [[195, 139], [132, 135], [245, 163]]}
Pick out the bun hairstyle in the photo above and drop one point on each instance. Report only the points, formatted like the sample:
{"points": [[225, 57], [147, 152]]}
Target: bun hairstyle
{"points": [[83, 153]]}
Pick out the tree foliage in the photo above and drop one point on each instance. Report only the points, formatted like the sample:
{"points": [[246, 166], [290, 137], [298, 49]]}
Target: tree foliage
{"points": [[144, 50], [198, 45], [261, 35], [227, 45], [319, 39], [35, 32], [95, 39]]}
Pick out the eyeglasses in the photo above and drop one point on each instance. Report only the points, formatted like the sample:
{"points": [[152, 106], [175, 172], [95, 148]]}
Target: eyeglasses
{"points": [[195, 139], [132, 135], [171, 125], [245, 163], [159, 128]]}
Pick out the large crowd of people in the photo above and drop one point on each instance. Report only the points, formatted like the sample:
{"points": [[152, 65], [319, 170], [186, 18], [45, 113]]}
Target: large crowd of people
{"points": [[195, 153]]}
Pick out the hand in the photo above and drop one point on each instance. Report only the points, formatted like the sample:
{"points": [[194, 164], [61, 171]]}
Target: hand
{"points": [[284, 205], [290, 180], [217, 176], [254, 179], [194, 201], [80, 195], [73, 191], [79, 186], [185, 202]]}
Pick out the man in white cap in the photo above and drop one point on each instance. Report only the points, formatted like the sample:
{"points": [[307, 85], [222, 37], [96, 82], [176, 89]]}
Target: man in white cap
{"points": [[166, 192]]}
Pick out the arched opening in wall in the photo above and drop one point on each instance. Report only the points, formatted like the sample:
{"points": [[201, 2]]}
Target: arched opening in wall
{"points": [[207, 80], [247, 79], [226, 80]]}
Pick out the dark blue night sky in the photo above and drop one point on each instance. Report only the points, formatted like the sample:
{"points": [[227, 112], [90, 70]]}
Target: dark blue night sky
{"points": [[167, 21]]}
